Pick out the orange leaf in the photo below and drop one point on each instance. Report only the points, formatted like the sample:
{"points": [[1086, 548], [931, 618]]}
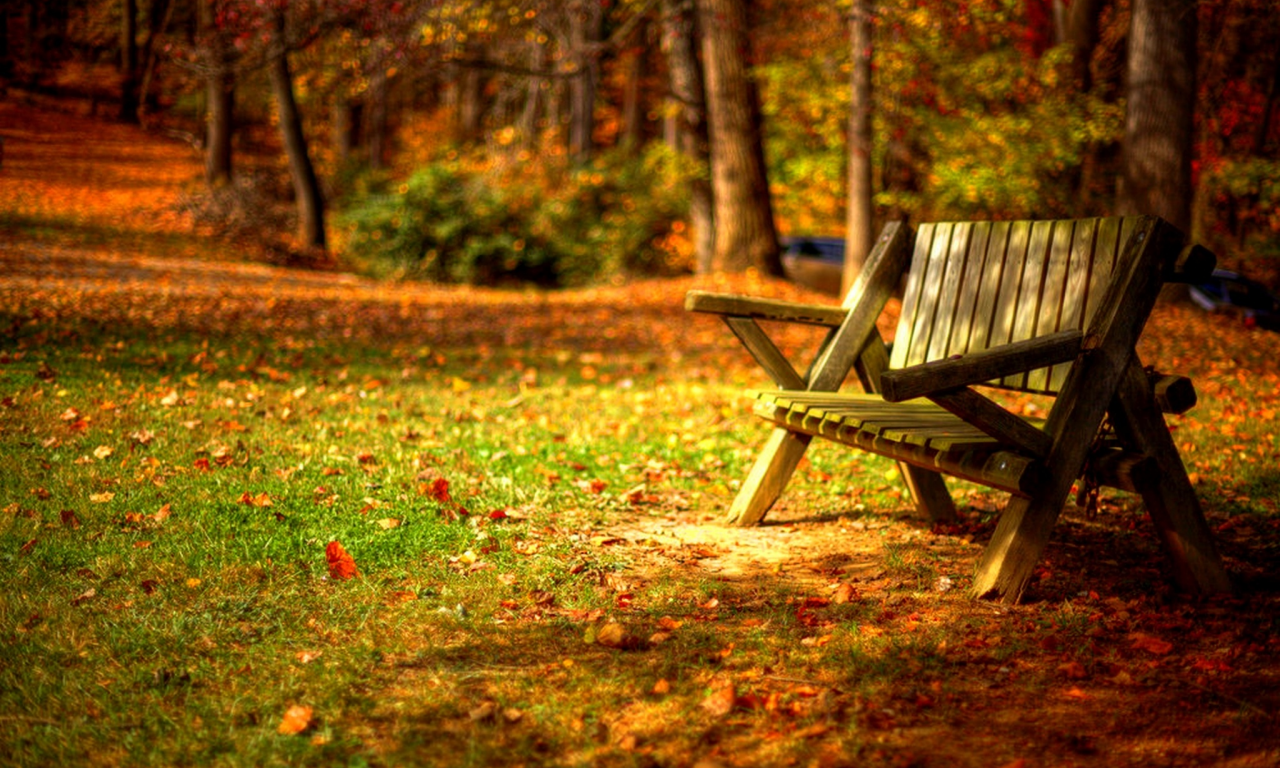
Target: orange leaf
{"points": [[1152, 645], [342, 566], [296, 720]]}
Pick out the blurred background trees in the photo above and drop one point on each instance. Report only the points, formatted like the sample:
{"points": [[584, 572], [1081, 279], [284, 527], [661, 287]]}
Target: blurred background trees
{"points": [[568, 141]]}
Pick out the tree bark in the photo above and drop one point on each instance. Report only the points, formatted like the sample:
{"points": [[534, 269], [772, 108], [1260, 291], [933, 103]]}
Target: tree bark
{"points": [[306, 186], [220, 95], [1082, 34], [129, 63], [1160, 112], [690, 123], [745, 233], [859, 236], [158, 17], [586, 25]]}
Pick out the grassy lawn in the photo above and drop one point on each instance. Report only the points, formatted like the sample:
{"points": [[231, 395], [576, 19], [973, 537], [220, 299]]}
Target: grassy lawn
{"points": [[529, 486]]}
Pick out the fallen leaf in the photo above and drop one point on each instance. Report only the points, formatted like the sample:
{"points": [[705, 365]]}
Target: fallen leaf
{"points": [[101, 498], [296, 720], [162, 514], [614, 635], [306, 657], [342, 566], [388, 523], [661, 688], [102, 452], [259, 500], [844, 593], [69, 518], [84, 596], [1152, 645], [719, 702]]}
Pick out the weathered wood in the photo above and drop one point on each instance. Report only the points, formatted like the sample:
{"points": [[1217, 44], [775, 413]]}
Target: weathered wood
{"points": [[927, 488], [1023, 531], [784, 450], [765, 352], [978, 367], [769, 474], [984, 414], [936, 440], [1170, 499], [1124, 470], [1174, 394], [732, 305], [1044, 307]]}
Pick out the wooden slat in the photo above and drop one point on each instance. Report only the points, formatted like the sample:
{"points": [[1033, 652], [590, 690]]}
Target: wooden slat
{"points": [[1006, 306], [1076, 289], [733, 305], [911, 297], [921, 320], [948, 305], [984, 310], [945, 443], [1053, 295], [974, 274], [1030, 291]]}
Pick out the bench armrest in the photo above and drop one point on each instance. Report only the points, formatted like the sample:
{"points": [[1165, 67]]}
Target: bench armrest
{"points": [[732, 305], [977, 367]]}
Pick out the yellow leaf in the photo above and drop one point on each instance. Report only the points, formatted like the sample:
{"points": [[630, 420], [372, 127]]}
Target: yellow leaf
{"points": [[387, 523], [101, 498], [103, 451]]}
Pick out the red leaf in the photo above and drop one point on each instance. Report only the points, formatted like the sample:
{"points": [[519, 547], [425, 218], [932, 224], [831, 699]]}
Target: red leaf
{"points": [[342, 566]]}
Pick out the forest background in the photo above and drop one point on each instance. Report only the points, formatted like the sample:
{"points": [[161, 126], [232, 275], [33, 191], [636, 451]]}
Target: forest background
{"points": [[565, 142]]}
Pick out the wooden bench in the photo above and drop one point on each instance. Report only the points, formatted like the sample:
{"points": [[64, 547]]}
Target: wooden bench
{"points": [[1046, 307]]}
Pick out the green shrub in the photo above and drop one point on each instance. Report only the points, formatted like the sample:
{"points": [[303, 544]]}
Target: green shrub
{"points": [[448, 223]]}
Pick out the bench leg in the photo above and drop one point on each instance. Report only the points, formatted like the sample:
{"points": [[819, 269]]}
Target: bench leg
{"points": [[769, 475], [1019, 539], [930, 492], [1171, 501]]}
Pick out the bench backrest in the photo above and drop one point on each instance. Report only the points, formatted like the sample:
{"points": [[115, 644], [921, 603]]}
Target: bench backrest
{"points": [[974, 285]]}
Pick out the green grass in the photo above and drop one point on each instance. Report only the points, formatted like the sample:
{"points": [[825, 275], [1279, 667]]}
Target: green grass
{"points": [[155, 609]]}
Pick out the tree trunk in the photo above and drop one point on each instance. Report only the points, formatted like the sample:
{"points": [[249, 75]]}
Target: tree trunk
{"points": [[220, 95], [129, 63], [533, 96], [745, 234], [1159, 115], [690, 122], [306, 187], [376, 118], [1082, 34], [859, 235], [220, 123], [158, 17], [586, 25]]}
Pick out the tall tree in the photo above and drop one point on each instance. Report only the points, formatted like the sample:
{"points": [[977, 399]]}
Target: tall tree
{"points": [[586, 30], [745, 233], [858, 236], [1160, 110], [129, 62], [219, 80], [306, 185], [689, 124]]}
